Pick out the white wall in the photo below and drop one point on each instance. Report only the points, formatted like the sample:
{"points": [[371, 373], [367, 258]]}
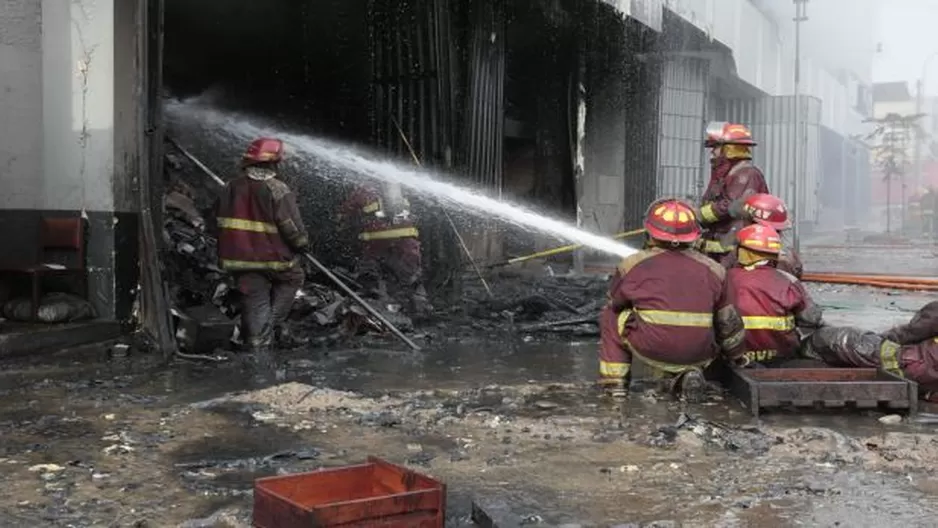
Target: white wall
{"points": [[20, 104]]}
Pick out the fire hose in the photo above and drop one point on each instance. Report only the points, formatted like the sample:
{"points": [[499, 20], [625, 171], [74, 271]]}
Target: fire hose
{"points": [[879, 281]]}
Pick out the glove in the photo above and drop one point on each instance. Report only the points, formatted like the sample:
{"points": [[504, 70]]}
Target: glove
{"points": [[737, 210]]}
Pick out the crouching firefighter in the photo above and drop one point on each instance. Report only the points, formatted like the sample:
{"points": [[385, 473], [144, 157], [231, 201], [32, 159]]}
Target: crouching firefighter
{"points": [[260, 234], [390, 261], [733, 177], [773, 303], [768, 210], [909, 350], [667, 308]]}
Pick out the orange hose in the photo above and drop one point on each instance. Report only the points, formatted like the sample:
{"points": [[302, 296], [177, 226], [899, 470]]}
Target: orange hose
{"points": [[903, 279], [866, 281]]}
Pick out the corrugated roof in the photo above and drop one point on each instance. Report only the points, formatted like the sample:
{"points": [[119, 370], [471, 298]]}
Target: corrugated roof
{"points": [[891, 91]]}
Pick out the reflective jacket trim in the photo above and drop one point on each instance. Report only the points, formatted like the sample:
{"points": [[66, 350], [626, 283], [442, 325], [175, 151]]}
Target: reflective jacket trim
{"points": [[714, 246], [609, 369], [778, 323], [667, 317], [707, 214], [246, 265], [759, 356], [372, 207], [661, 366], [239, 224], [889, 357], [402, 232]]}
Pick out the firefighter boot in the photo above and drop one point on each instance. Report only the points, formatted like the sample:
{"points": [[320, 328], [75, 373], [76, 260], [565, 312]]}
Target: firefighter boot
{"points": [[614, 388], [692, 386], [285, 338]]}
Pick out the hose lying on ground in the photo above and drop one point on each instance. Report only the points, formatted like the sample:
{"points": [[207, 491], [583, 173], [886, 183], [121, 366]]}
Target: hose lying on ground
{"points": [[878, 281]]}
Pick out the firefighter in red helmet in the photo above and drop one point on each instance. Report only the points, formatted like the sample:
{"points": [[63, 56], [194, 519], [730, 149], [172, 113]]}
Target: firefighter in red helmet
{"points": [[768, 210], [261, 233], [773, 303], [733, 177], [667, 308], [390, 261]]}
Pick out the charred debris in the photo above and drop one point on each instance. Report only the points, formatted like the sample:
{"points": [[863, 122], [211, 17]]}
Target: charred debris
{"points": [[204, 303]]}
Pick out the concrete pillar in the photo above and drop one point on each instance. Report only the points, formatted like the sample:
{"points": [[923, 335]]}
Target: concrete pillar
{"points": [[75, 139]]}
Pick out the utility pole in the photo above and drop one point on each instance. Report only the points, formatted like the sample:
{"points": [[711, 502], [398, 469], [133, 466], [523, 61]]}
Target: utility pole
{"points": [[795, 184]]}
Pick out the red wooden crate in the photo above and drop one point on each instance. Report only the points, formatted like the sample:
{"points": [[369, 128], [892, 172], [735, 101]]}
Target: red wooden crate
{"points": [[374, 494]]}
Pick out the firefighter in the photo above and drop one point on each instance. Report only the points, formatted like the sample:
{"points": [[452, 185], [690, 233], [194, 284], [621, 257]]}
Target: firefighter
{"points": [[768, 210], [260, 234], [667, 308], [390, 260], [909, 350], [733, 177], [773, 303]]}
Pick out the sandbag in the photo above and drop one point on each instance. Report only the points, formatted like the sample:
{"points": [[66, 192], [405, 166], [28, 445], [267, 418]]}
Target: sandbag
{"points": [[55, 307]]}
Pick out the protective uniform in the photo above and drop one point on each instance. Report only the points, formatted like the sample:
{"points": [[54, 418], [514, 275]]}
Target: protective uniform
{"points": [[733, 177], [260, 234], [768, 210], [909, 350], [773, 303], [390, 244], [667, 307]]}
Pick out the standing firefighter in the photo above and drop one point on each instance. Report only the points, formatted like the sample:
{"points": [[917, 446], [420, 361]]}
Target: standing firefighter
{"points": [[768, 210], [260, 234], [909, 350], [733, 177], [390, 243], [667, 308], [772, 302]]}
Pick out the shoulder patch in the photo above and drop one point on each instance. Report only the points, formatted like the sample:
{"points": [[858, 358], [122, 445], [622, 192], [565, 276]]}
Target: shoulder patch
{"points": [[712, 265], [630, 262], [278, 189]]}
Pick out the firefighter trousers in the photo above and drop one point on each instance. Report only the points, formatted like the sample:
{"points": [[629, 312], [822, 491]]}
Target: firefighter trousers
{"points": [[267, 297]]}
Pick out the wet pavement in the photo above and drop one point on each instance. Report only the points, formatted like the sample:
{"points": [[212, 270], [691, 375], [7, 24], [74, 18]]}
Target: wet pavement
{"points": [[94, 439]]}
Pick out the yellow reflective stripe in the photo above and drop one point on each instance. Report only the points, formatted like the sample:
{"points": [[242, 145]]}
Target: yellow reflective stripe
{"points": [[707, 214], [714, 246], [889, 357], [240, 224], [671, 318], [623, 318], [609, 369], [671, 368], [402, 232], [373, 207], [238, 265], [779, 323]]}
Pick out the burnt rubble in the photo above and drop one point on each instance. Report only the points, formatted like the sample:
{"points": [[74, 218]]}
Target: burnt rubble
{"points": [[204, 298]]}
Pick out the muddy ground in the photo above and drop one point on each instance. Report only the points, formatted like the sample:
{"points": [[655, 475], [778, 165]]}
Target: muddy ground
{"points": [[100, 437]]}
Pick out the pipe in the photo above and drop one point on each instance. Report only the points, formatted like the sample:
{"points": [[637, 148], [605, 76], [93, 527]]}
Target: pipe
{"points": [[195, 160], [559, 250], [884, 282], [348, 291], [878, 277]]}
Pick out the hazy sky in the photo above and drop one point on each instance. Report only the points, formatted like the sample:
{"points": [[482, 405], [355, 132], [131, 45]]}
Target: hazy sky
{"points": [[908, 31]]}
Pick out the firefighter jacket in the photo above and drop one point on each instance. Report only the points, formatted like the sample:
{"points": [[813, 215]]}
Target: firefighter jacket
{"points": [[366, 206], [788, 261], [774, 305], [730, 181], [671, 310], [259, 225]]}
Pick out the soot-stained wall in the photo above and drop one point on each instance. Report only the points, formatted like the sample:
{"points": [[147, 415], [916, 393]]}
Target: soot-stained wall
{"points": [[305, 62]]}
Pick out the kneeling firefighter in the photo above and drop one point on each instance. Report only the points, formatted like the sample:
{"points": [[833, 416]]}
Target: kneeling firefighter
{"points": [[774, 304], [390, 261], [768, 210], [909, 350], [260, 235], [667, 308], [733, 177]]}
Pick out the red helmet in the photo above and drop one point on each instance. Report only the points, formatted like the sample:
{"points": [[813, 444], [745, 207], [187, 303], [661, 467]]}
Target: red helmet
{"points": [[671, 220], [263, 150], [723, 133], [761, 238], [768, 210]]}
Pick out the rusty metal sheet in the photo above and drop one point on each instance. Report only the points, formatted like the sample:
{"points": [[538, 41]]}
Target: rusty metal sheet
{"points": [[823, 387]]}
